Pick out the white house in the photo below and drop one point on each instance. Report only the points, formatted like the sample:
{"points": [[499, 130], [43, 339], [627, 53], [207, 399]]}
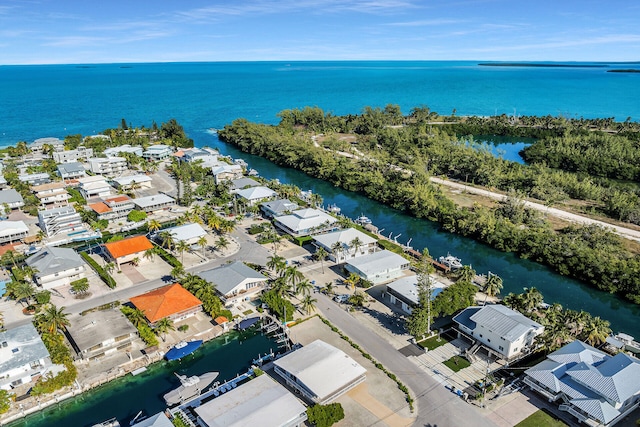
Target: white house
{"points": [[95, 186], [12, 231], [303, 222], [124, 183], [116, 151], [101, 333], [235, 281], [320, 372], [113, 207], [594, 387], [254, 195], [72, 155], [71, 170], [56, 266], [109, 166], [277, 207], [346, 244], [188, 233], [403, 292], [157, 152], [154, 203], [52, 194], [500, 329], [60, 220], [378, 267], [11, 198], [35, 178], [225, 172], [23, 357]]}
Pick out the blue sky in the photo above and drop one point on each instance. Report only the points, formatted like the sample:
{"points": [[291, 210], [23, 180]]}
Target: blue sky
{"points": [[98, 31]]}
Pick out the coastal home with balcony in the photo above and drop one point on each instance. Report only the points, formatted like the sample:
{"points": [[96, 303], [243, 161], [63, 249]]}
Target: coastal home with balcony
{"points": [[378, 267], [154, 203], [403, 292], [13, 231], [11, 198], [35, 178], [303, 222], [127, 250], [157, 152], [244, 182], [173, 302], [97, 334], [188, 233], [56, 266], [23, 357], [113, 207], [109, 166], [320, 372], [226, 172], [260, 402], [119, 150], [132, 182], [596, 388], [51, 195], [346, 244], [37, 146], [95, 186], [235, 282], [71, 170], [60, 220], [254, 195], [499, 329], [71, 156], [278, 207]]}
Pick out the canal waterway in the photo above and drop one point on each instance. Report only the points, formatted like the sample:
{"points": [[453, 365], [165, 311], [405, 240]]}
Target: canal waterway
{"points": [[517, 273], [123, 398]]}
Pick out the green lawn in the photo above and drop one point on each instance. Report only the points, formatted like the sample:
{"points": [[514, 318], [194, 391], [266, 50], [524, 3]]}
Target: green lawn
{"points": [[540, 419], [457, 363], [433, 342]]}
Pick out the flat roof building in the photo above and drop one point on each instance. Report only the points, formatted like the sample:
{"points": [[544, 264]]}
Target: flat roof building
{"points": [[100, 333], [154, 203], [378, 267], [188, 233], [403, 292], [71, 170], [13, 231]]}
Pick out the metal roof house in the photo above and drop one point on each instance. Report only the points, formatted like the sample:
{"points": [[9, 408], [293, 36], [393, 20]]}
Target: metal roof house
{"points": [[278, 207], [12, 231], [244, 182], [71, 170], [12, 198], [116, 151], [260, 402], [23, 357], [157, 152], [345, 238], [378, 267], [56, 266], [503, 331], [101, 333], [35, 178], [127, 182], [156, 420], [403, 293], [188, 233], [235, 281], [303, 222], [154, 203], [320, 372], [596, 388], [255, 195]]}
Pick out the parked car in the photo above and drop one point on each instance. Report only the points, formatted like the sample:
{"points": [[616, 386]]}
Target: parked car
{"points": [[341, 298]]}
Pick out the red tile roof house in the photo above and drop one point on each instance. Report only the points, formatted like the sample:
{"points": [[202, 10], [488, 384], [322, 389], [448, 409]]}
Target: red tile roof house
{"points": [[127, 250], [172, 301]]}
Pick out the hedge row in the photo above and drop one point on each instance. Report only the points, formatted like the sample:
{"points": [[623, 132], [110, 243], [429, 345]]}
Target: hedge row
{"points": [[103, 274], [169, 259]]}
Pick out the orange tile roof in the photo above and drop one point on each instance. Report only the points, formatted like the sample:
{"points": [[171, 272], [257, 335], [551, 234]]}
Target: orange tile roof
{"points": [[220, 320], [8, 247], [116, 199], [129, 246], [100, 207], [178, 153], [165, 302]]}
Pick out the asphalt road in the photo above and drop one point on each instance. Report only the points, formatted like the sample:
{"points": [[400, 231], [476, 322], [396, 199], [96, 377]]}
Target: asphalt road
{"points": [[436, 406]]}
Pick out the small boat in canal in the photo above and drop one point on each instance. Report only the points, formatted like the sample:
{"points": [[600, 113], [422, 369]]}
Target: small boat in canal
{"points": [[189, 387], [247, 323], [182, 349], [334, 209], [450, 261], [363, 220]]}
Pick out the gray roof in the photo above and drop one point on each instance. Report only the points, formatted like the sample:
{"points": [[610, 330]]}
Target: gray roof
{"points": [[156, 199], [407, 288], [378, 261], [71, 167], [157, 420], [321, 368], [597, 408], [577, 351], [345, 236], [259, 402], [51, 259], [255, 193], [10, 195], [464, 317], [96, 327], [227, 277], [280, 205], [29, 347], [243, 182], [187, 231], [617, 378], [505, 322]]}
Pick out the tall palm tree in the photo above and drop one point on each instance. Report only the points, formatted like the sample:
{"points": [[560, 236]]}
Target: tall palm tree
{"points": [[214, 221], [23, 291], [177, 272], [337, 249], [153, 226], [531, 299], [167, 239], [309, 304], [280, 287], [466, 274], [149, 254], [355, 244], [53, 319], [222, 243], [321, 254], [597, 330], [352, 281], [493, 285], [202, 242], [292, 275], [182, 247], [163, 326], [276, 263], [304, 287], [328, 288], [136, 317]]}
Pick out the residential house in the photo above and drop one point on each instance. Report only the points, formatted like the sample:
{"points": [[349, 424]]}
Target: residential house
{"points": [[226, 172], [154, 203], [11, 198], [101, 333], [37, 146], [501, 330], [61, 220], [157, 152], [594, 387], [378, 267], [13, 231], [352, 243], [235, 282], [117, 151], [51, 195], [113, 207], [403, 292], [255, 195], [95, 186], [260, 402], [155, 420], [132, 182], [23, 357], [72, 156], [127, 250], [303, 222], [56, 266], [188, 233], [277, 207], [173, 302], [244, 182], [3, 181], [320, 372], [109, 166], [35, 178], [71, 170]]}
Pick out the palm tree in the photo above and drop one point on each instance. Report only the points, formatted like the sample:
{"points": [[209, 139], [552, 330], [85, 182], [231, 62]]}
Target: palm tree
{"points": [[80, 286], [336, 249], [153, 226], [135, 261], [277, 263], [177, 272], [280, 287], [531, 299], [292, 275], [357, 299], [28, 272], [304, 287], [136, 317], [149, 254], [321, 254], [53, 319], [163, 326], [167, 239], [493, 285], [355, 244], [23, 291], [352, 281], [222, 243], [202, 242], [214, 221], [182, 247], [308, 304], [328, 288], [466, 274], [109, 267], [597, 330]]}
